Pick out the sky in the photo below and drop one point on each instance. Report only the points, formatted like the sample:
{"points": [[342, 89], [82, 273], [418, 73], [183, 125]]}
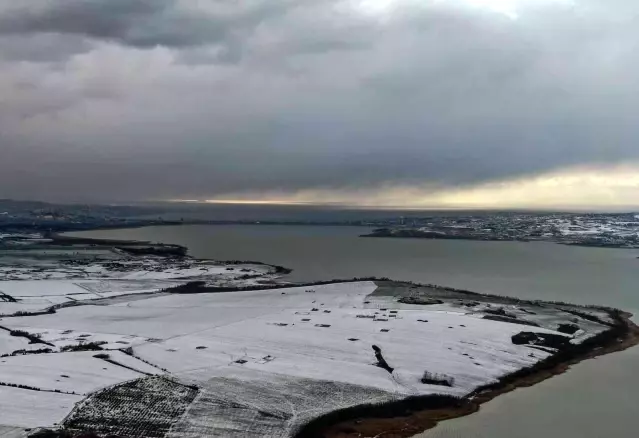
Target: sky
{"points": [[407, 103]]}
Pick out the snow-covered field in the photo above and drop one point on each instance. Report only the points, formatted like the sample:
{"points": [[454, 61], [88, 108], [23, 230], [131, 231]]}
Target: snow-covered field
{"points": [[24, 408], [281, 340], [12, 432], [72, 372], [9, 344], [334, 346], [131, 268], [36, 285], [41, 389], [63, 338], [247, 405], [259, 362]]}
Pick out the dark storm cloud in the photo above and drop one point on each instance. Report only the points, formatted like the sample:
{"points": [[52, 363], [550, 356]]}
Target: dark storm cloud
{"points": [[138, 23], [41, 48], [139, 99]]}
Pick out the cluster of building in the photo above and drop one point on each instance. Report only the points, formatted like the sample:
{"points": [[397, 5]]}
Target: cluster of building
{"points": [[607, 230]]}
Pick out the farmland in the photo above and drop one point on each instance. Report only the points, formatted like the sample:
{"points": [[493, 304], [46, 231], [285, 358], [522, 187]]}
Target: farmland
{"points": [[145, 407], [111, 345]]}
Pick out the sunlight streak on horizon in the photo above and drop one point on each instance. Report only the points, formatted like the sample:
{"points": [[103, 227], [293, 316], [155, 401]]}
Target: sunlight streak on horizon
{"points": [[613, 187]]}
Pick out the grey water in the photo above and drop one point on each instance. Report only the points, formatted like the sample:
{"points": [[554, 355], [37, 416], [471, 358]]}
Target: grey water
{"points": [[596, 398]]}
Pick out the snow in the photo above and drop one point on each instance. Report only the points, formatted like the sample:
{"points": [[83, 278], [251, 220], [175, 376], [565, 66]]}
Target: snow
{"points": [[84, 373], [62, 338], [22, 290], [38, 285], [39, 288], [134, 320], [231, 406], [131, 362], [281, 339], [174, 315], [25, 408], [196, 271], [302, 349], [47, 301], [110, 287], [7, 309], [255, 324], [133, 268], [13, 432], [9, 344]]}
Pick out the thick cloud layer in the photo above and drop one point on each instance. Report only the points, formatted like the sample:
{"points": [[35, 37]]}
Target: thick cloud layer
{"points": [[148, 99]]}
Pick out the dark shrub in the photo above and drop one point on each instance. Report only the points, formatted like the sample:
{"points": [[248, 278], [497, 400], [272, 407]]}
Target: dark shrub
{"points": [[437, 379], [569, 329], [89, 346]]}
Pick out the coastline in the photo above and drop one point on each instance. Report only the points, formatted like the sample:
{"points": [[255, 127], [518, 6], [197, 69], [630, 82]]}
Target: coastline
{"points": [[434, 236], [373, 234], [406, 418], [417, 421]]}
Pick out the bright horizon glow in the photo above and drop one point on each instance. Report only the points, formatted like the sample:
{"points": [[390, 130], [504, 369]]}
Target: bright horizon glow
{"points": [[578, 188], [507, 8], [253, 201]]}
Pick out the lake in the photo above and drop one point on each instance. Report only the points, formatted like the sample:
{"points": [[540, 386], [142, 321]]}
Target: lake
{"points": [[597, 398]]}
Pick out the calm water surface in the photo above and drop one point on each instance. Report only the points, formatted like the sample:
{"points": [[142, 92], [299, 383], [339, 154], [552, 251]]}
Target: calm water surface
{"points": [[595, 399]]}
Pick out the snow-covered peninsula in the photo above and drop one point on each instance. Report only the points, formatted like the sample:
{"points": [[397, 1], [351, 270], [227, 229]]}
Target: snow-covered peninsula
{"points": [[95, 338]]}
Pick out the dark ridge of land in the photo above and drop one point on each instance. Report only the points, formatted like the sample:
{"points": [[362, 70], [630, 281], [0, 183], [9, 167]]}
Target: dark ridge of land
{"points": [[200, 287], [352, 422], [142, 247], [463, 235], [60, 239], [418, 234], [404, 419], [66, 226], [61, 226], [133, 247]]}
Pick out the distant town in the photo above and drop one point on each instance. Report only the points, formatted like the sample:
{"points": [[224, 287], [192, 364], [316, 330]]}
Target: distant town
{"points": [[613, 230], [601, 230]]}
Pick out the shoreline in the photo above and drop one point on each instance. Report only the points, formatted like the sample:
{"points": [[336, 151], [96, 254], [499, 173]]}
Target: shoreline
{"points": [[410, 416], [419, 420], [344, 224], [497, 239], [151, 248]]}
